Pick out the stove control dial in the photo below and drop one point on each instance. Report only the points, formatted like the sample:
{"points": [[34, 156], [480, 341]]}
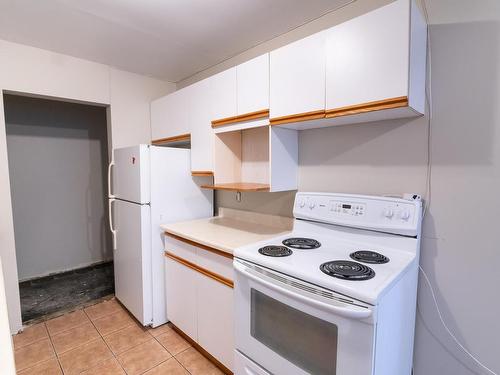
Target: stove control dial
{"points": [[312, 204], [302, 203], [405, 214], [388, 213]]}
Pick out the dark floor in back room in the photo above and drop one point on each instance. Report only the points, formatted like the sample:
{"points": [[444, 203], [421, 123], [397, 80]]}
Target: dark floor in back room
{"points": [[58, 293]]}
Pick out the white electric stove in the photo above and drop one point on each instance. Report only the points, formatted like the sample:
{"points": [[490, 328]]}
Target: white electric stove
{"points": [[336, 296]]}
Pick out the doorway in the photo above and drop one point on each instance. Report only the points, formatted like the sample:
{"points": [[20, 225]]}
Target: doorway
{"points": [[58, 153]]}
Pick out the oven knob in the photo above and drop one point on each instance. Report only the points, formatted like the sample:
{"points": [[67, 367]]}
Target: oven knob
{"points": [[302, 203], [405, 215], [388, 213], [312, 205]]}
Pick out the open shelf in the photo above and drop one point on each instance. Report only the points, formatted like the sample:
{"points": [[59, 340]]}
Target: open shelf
{"points": [[238, 186], [242, 160]]}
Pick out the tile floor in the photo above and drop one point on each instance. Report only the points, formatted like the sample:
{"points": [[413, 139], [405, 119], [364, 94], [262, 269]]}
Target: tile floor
{"points": [[105, 339]]}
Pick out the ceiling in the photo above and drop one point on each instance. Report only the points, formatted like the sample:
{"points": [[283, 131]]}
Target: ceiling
{"points": [[167, 39]]}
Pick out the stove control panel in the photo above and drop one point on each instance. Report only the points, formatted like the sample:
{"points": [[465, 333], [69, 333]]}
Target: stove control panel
{"points": [[385, 214], [348, 208]]}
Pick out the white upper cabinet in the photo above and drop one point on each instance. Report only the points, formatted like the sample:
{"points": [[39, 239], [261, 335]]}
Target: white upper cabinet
{"points": [[373, 62], [253, 85], [297, 78], [202, 137], [169, 115], [223, 94]]}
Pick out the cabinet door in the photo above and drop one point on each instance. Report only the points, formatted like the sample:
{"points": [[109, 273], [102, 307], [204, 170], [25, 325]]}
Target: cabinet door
{"points": [[180, 284], [169, 115], [253, 85], [215, 319], [223, 94], [202, 135], [297, 77], [368, 57]]}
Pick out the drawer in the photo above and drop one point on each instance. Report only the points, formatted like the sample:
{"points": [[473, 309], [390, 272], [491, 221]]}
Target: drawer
{"points": [[219, 264], [181, 249]]}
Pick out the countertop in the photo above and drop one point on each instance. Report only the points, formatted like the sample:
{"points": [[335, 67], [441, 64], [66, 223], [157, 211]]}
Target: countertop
{"points": [[231, 229]]}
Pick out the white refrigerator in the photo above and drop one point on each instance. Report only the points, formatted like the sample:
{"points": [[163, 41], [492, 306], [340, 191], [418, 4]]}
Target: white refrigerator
{"points": [[150, 185]]}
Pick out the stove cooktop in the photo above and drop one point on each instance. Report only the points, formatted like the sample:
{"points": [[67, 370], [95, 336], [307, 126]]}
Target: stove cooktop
{"points": [[338, 263]]}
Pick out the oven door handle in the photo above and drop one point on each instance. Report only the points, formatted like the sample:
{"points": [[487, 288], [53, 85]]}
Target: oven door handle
{"points": [[349, 311]]}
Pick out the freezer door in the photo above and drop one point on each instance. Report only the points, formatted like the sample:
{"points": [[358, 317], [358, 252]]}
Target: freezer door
{"points": [[132, 259], [131, 174]]}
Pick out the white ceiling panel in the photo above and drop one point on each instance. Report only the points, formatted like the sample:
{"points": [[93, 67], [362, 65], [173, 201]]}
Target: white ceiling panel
{"points": [[167, 39]]}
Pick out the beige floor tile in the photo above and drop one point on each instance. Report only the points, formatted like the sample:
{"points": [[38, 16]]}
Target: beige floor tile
{"points": [[160, 330], [108, 367], [102, 309], [143, 357], [169, 367], [113, 322], [196, 363], [127, 338], [173, 342], [84, 357], [50, 367], [66, 322], [74, 337], [34, 353], [30, 335]]}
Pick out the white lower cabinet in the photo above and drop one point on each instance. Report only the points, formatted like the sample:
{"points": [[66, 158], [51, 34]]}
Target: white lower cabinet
{"points": [[200, 297], [181, 297], [215, 319]]}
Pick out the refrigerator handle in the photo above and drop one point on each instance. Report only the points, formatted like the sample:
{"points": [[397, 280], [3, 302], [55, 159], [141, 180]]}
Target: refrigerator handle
{"points": [[109, 179], [113, 231]]}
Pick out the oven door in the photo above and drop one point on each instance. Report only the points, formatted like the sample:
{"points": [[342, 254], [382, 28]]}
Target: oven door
{"points": [[288, 326]]}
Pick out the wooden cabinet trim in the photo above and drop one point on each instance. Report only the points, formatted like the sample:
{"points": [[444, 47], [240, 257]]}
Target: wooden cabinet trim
{"points": [[202, 173], [298, 117], [199, 245], [238, 186], [198, 347], [240, 118], [204, 271], [378, 105], [177, 138]]}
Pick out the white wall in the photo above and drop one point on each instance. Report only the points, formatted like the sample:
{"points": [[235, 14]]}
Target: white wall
{"points": [[35, 71], [460, 250], [58, 161]]}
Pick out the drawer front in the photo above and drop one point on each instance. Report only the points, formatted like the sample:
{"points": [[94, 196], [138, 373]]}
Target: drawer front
{"points": [[215, 263], [181, 249]]}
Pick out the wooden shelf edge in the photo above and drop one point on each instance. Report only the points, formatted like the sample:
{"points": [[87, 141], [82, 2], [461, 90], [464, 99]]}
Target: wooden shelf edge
{"points": [[298, 117], [238, 186], [202, 173], [177, 138], [378, 105], [240, 118]]}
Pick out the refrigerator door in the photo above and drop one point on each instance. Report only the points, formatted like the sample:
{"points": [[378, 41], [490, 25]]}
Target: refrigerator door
{"points": [[132, 258], [131, 171], [175, 196]]}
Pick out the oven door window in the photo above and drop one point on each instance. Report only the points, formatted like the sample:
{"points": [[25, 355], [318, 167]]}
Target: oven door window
{"points": [[304, 340]]}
